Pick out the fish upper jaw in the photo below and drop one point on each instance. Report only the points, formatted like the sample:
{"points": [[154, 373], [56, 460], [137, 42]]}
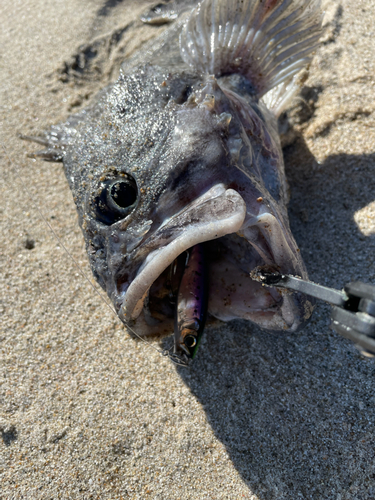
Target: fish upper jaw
{"points": [[217, 213]]}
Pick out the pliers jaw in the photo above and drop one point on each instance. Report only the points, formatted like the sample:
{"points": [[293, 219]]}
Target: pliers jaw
{"points": [[353, 312], [356, 320]]}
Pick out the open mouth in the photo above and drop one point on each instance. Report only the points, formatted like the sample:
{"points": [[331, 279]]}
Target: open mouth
{"points": [[217, 213], [234, 245]]}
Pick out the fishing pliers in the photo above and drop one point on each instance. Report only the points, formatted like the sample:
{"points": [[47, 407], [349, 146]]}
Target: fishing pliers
{"points": [[353, 311]]}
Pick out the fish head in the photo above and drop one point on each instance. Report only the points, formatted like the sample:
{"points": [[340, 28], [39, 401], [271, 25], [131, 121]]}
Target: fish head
{"points": [[161, 164]]}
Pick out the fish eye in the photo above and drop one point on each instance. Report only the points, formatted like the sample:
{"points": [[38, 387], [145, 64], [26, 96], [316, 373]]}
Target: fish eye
{"points": [[114, 199]]}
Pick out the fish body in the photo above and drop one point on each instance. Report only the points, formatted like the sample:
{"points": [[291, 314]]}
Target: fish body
{"points": [[183, 150]]}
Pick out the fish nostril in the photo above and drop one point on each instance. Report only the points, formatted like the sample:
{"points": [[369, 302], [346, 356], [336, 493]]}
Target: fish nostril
{"points": [[185, 94]]}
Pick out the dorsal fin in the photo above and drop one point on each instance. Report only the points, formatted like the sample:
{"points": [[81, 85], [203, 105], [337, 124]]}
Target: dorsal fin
{"points": [[267, 41]]}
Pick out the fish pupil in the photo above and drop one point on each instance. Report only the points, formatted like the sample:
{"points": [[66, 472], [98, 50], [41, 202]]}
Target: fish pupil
{"points": [[123, 193], [114, 199]]}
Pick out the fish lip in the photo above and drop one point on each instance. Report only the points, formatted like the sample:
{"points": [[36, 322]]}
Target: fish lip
{"points": [[227, 213]]}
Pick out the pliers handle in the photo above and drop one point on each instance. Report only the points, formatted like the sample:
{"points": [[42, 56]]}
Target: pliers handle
{"points": [[353, 312]]}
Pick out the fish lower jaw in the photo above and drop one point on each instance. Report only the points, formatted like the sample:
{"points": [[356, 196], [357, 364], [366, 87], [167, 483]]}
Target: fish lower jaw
{"points": [[232, 295], [234, 249]]}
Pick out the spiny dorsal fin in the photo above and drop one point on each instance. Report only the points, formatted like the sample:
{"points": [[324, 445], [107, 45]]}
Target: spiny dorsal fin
{"points": [[267, 41]]}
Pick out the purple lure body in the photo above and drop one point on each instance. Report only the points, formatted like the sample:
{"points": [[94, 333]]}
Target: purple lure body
{"points": [[192, 299]]}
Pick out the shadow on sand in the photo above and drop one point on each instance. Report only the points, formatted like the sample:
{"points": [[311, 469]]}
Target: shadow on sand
{"points": [[296, 412]]}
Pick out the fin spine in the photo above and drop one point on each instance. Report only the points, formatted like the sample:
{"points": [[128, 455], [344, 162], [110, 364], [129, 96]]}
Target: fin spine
{"points": [[267, 41]]}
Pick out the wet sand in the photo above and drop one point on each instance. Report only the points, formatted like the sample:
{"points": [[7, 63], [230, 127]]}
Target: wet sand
{"points": [[86, 412]]}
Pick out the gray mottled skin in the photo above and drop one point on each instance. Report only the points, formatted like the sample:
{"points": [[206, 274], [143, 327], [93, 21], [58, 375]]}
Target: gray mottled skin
{"points": [[183, 135]]}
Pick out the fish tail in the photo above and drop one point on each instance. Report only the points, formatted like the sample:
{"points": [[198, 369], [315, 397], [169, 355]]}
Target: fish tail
{"points": [[267, 41]]}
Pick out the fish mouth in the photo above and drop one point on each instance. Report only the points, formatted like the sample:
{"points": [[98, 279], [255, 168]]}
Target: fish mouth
{"points": [[236, 243], [215, 214]]}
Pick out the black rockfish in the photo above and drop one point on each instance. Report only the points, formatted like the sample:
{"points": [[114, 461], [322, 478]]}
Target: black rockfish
{"points": [[177, 170]]}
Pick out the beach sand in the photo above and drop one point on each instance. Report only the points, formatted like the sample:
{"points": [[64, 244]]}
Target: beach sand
{"points": [[88, 413]]}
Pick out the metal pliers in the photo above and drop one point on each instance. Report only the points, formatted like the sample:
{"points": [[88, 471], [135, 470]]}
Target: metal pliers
{"points": [[353, 311]]}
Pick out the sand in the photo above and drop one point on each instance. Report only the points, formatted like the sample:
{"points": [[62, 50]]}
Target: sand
{"points": [[86, 412]]}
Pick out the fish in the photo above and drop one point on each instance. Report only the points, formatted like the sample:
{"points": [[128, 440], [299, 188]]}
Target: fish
{"points": [[177, 172]]}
